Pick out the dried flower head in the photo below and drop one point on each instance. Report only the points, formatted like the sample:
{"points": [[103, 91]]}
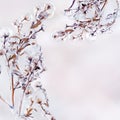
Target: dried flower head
{"points": [[89, 17]]}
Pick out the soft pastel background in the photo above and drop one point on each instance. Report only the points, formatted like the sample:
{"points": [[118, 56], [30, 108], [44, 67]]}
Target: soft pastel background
{"points": [[83, 77]]}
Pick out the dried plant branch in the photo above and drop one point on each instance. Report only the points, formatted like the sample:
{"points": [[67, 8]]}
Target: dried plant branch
{"points": [[23, 56], [90, 17]]}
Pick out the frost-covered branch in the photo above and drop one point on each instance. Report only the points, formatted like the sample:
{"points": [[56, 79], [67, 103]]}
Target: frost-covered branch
{"points": [[24, 62], [89, 18]]}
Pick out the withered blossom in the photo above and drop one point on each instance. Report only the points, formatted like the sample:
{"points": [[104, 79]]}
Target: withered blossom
{"points": [[89, 18], [24, 59]]}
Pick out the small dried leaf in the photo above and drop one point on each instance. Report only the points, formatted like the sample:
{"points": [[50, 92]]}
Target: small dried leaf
{"points": [[39, 101], [15, 37], [28, 92], [29, 112], [12, 57], [35, 25], [13, 43], [69, 30], [20, 49], [33, 43], [24, 40]]}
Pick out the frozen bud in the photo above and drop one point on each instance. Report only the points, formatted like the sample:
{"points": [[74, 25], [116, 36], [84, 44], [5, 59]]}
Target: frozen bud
{"points": [[50, 9], [6, 32], [28, 17], [29, 91], [30, 59]]}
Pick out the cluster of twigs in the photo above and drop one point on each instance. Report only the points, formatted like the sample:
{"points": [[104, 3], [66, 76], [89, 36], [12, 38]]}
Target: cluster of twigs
{"points": [[24, 61], [90, 17]]}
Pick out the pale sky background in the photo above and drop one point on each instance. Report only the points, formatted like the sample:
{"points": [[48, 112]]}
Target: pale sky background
{"points": [[83, 77]]}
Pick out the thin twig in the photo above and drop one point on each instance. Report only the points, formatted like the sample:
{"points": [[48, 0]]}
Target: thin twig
{"points": [[13, 90]]}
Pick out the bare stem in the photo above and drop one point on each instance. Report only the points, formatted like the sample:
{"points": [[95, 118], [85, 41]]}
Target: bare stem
{"points": [[21, 102], [13, 91], [3, 100], [72, 4]]}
